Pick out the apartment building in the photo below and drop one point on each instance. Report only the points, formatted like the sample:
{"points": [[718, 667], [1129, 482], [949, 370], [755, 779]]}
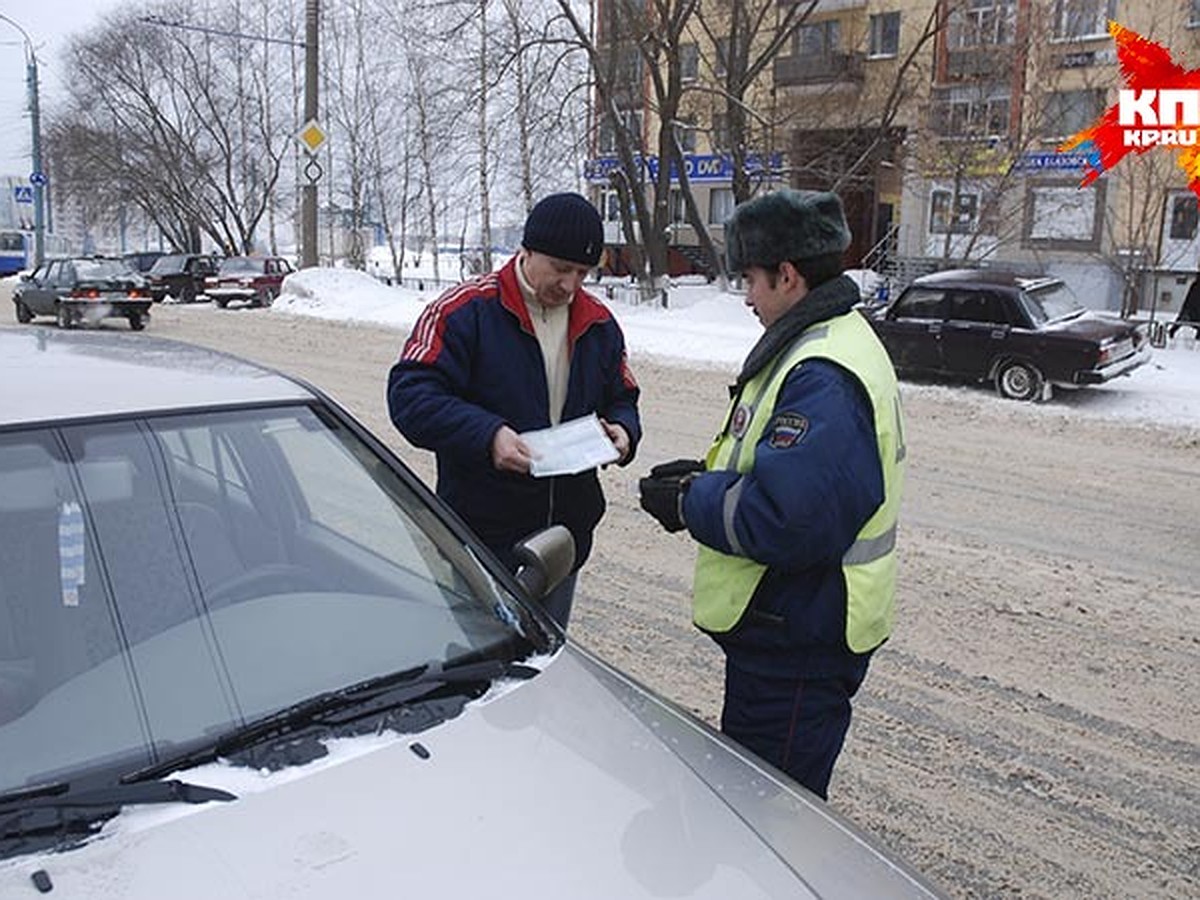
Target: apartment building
{"points": [[939, 122]]}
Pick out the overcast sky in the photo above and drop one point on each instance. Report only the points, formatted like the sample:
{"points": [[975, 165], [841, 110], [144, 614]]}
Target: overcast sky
{"points": [[49, 24]]}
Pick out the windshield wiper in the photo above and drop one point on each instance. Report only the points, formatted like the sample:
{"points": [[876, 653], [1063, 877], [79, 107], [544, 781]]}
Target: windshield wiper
{"points": [[52, 814], [365, 698], [59, 795]]}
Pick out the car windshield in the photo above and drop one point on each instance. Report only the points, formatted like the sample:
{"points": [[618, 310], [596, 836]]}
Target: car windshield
{"points": [[1050, 303], [102, 269], [240, 265], [169, 265], [165, 579]]}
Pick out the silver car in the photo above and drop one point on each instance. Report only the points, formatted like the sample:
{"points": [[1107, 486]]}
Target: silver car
{"points": [[245, 652]]}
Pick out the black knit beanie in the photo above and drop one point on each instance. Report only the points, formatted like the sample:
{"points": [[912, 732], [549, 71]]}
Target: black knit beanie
{"points": [[565, 226]]}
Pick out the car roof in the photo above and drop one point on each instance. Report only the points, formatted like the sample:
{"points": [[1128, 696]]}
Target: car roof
{"points": [[990, 277], [79, 374]]}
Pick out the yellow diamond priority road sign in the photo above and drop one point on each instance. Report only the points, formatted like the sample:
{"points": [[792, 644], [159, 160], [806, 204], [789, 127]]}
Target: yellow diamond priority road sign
{"points": [[312, 136]]}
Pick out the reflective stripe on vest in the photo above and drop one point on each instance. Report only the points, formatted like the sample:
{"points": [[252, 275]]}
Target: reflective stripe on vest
{"points": [[725, 583]]}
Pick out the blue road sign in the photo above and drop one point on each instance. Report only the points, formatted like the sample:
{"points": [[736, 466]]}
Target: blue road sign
{"points": [[38, 178], [22, 193]]}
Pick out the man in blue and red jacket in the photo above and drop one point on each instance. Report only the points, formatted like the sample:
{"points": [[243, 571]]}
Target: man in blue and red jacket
{"points": [[512, 351]]}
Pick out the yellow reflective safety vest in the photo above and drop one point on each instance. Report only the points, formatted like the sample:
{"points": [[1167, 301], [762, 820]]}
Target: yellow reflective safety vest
{"points": [[724, 584]]}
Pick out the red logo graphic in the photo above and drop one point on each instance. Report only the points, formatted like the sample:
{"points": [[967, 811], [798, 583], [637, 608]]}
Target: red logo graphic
{"points": [[1159, 108]]}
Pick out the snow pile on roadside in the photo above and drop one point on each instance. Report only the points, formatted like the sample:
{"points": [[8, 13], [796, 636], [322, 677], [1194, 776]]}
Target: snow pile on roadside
{"points": [[348, 295]]}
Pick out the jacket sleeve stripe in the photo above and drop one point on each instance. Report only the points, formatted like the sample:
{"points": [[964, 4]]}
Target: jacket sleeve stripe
{"points": [[728, 512], [425, 342]]}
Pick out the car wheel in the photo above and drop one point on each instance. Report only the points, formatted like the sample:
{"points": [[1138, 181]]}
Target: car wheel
{"points": [[187, 294], [221, 302], [262, 298], [1019, 381], [64, 316], [24, 313], [137, 321]]}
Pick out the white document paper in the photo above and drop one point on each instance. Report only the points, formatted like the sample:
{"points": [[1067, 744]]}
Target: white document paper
{"points": [[571, 447]]}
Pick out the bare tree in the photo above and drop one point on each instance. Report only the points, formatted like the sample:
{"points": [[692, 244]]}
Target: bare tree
{"points": [[162, 119]]}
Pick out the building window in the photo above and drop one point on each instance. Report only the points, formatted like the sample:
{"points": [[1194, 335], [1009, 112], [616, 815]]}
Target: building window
{"points": [[1064, 217], [971, 112], [982, 23], [1184, 216], [629, 67], [946, 216], [612, 206], [689, 62], [720, 132], [720, 205], [818, 39], [885, 34], [685, 133], [1067, 112], [721, 57], [678, 208], [1083, 18], [631, 121]]}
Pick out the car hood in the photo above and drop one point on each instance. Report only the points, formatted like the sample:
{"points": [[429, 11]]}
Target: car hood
{"points": [[575, 784]]}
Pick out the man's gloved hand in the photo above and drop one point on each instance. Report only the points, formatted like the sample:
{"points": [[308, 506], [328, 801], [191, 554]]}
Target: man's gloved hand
{"points": [[661, 492]]}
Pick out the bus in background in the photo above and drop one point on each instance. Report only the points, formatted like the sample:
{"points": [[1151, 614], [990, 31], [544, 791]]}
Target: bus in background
{"points": [[17, 250], [12, 252]]}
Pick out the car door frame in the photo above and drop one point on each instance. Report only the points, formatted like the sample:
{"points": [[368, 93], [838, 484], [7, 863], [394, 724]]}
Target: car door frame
{"points": [[971, 344], [913, 342], [42, 298]]}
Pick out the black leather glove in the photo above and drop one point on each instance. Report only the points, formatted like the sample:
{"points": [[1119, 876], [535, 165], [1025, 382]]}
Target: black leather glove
{"points": [[676, 468], [661, 492]]}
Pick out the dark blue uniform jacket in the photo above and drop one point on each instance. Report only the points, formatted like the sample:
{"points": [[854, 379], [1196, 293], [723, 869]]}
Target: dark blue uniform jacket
{"points": [[800, 508], [473, 364]]}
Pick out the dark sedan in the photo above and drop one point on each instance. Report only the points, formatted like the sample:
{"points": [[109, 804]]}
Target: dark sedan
{"points": [[182, 276], [83, 289], [1021, 333]]}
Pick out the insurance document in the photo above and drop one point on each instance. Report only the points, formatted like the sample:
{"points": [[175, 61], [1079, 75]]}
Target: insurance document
{"points": [[571, 447]]}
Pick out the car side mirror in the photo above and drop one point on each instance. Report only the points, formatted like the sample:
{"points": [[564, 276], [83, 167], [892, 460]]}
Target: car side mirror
{"points": [[545, 559]]}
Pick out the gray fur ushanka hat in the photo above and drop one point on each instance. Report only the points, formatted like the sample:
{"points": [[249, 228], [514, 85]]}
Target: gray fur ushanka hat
{"points": [[787, 224]]}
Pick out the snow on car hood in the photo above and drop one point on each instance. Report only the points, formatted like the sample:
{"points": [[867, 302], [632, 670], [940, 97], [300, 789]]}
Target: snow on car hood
{"points": [[553, 789]]}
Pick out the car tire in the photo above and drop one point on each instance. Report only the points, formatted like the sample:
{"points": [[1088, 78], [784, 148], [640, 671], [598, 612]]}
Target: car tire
{"points": [[1019, 380], [262, 298], [24, 313], [64, 316], [221, 302], [187, 294], [137, 322]]}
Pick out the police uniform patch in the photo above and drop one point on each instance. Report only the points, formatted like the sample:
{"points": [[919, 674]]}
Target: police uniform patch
{"points": [[741, 420], [787, 430]]}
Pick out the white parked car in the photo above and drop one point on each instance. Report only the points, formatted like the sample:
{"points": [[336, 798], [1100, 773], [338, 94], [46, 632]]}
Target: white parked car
{"points": [[245, 652]]}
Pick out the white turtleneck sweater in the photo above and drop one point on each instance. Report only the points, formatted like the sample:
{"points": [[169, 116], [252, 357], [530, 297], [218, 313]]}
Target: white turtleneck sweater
{"points": [[550, 327]]}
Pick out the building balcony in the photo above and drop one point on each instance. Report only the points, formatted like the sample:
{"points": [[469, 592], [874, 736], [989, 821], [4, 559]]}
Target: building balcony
{"points": [[825, 69], [831, 5], [993, 63]]}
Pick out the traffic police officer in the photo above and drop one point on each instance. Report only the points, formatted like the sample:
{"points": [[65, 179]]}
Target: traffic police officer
{"points": [[795, 505]]}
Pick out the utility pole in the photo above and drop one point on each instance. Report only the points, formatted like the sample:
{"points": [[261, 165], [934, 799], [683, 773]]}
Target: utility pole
{"points": [[308, 193], [37, 177]]}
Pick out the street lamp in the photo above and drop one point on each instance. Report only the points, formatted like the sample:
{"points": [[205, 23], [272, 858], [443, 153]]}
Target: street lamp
{"points": [[37, 177]]}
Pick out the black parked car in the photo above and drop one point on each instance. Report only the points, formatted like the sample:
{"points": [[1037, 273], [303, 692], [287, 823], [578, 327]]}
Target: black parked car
{"points": [[181, 275], [1022, 333], [143, 260], [83, 289]]}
